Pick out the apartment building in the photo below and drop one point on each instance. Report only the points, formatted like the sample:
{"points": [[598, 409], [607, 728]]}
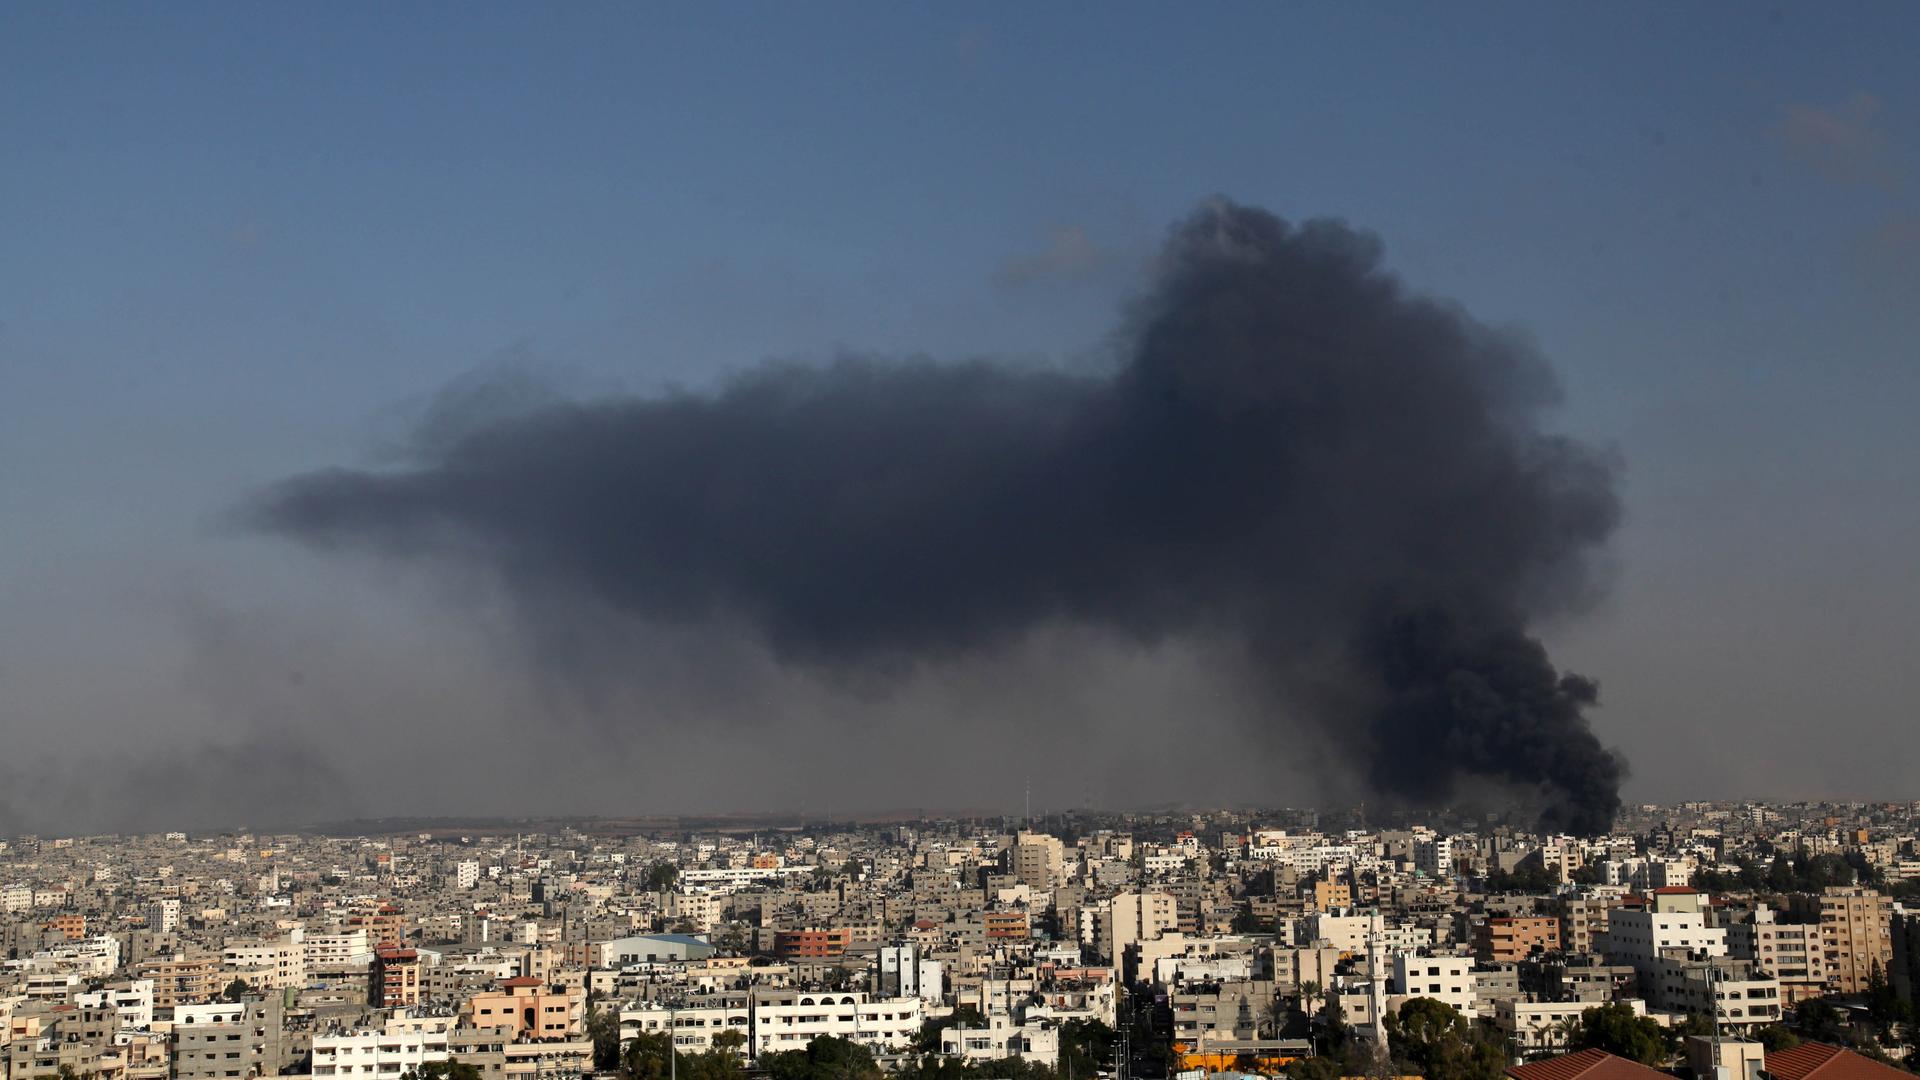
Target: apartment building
{"points": [[694, 1021], [396, 978], [1444, 978], [1037, 1042], [182, 978], [1793, 953], [367, 1054], [1535, 1026], [529, 1010], [786, 1019], [277, 964], [1037, 860], [812, 943], [701, 910], [498, 1057], [224, 1041], [1856, 934], [1583, 919], [1511, 939]]}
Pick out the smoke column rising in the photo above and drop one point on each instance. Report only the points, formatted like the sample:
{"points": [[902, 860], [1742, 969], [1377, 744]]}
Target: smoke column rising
{"points": [[1342, 488]]}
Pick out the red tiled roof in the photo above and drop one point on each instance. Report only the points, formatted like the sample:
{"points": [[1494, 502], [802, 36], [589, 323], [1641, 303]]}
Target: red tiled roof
{"points": [[1827, 1062], [521, 980], [1673, 890], [1585, 1065]]}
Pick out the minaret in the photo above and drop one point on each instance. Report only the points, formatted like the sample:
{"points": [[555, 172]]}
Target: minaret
{"points": [[1377, 984]]}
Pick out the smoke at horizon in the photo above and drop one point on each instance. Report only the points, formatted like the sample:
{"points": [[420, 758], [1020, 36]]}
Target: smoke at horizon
{"points": [[1336, 491]]}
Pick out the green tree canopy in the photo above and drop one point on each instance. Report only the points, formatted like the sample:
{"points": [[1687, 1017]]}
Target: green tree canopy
{"points": [[928, 1039], [1434, 1040], [825, 1058], [1617, 1030], [446, 1070]]}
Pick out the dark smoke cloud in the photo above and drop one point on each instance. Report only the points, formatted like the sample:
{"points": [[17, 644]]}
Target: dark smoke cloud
{"points": [[1340, 487]]}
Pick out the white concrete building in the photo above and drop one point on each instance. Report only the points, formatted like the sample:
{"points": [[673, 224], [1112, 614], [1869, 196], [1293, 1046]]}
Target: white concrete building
{"points": [[163, 915], [377, 1053], [1036, 1041], [1131, 917], [1539, 1026], [335, 953], [133, 1003], [1342, 931], [694, 1022], [727, 879], [277, 964], [905, 973], [790, 1019], [701, 908], [1443, 978]]}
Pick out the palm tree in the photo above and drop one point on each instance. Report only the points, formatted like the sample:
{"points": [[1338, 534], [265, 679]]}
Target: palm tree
{"points": [[1273, 1015], [1559, 1033]]}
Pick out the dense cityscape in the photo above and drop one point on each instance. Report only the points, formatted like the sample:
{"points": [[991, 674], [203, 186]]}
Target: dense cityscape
{"points": [[1146, 945], [932, 541]]}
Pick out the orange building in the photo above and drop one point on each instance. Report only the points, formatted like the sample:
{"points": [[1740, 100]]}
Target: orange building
{"points": [[530, 1009], [182, 979], [1508, 940], [812, 944], [1332, 895], [1006, 924], [71, 925], [385, 925]]}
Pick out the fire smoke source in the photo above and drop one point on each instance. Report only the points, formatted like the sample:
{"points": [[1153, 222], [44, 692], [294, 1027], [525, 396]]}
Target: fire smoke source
{"points": [[1339, 487]]}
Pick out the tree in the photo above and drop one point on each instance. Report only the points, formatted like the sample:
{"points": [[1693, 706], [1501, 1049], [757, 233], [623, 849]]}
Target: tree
{"points": [[1086, 1046], [237, 989], [647, 1056], [1884, 1005], [1588, 874], [1529, 877], [1436, 1042], [1775, 1038], [1615, 1029], [825, 1058], [661, 876], [1246, 922], [603, 1027], [928, 1040], [1314, 1068], [730, 1041], [1818, 1020], [445, 1070]]}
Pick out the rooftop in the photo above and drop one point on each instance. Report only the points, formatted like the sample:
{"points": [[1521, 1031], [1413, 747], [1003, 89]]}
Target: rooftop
{"points": [[1822, 1061], [1586, 1065]]}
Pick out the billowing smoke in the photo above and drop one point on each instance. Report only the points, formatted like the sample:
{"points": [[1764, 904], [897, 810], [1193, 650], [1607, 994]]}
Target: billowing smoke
{"points": [[1341, 488]]}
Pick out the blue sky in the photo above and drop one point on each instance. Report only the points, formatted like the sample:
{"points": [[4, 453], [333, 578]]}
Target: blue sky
{"points": [[238, 241]]}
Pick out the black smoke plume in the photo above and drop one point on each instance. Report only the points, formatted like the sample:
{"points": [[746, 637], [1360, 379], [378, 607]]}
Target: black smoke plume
{"points": [[1339, 486]]}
